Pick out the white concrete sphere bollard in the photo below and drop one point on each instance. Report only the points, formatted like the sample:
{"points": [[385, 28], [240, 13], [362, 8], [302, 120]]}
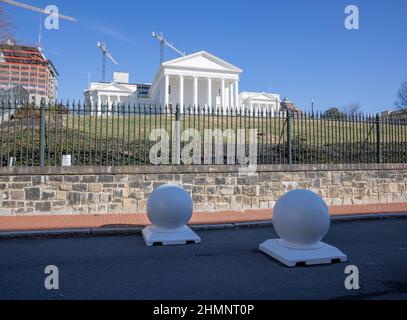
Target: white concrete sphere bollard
{"points": [[301, 218], [170, 207]]}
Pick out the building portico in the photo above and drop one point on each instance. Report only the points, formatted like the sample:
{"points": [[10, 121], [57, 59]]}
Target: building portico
{"points": [[260, 102], [193, 91], [197, 80]]}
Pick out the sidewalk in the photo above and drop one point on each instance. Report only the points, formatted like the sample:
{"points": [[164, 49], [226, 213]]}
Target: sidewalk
{"points": [[66, 222]]}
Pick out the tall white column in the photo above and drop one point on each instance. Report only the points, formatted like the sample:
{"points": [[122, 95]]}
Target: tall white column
{"points": [[231, 97], [195, 92], [167, 90], [222, 94], [236, 92], [209, 92], [181, 93]]}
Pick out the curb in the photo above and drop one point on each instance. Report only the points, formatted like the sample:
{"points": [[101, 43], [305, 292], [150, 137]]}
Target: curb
{"points": [[136, 230]]}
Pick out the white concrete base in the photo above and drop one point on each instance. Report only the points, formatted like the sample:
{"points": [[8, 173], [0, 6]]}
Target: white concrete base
{"points": [[153, 235], [319, 254]]}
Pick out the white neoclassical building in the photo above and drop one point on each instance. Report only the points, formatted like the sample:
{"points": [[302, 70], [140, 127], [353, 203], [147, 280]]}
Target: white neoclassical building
{"points": [[107, 94], [260, 101], [198, 79], [110, 93]]}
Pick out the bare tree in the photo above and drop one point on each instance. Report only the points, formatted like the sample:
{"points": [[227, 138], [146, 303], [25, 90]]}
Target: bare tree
{"points": [[353, 109], [401, 102], [5, 27]]}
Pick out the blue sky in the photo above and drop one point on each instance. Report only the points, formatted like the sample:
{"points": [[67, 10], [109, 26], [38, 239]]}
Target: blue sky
{"points": [[298, 48]]}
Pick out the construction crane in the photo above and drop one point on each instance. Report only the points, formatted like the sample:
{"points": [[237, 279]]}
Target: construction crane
{"points": [[105, 53], [163, 43], [36, 9]]}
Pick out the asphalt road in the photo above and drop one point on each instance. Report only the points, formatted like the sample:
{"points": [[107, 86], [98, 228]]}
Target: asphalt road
{"points": [[227, 265]]}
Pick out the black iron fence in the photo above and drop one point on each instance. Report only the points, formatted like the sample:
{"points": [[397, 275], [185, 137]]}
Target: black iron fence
{"points": [[123, 135]]}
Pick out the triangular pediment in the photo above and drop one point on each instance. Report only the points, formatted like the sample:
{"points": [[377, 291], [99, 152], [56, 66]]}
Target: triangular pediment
{"points": [[202, 60], [262, 97], [114, 87]]}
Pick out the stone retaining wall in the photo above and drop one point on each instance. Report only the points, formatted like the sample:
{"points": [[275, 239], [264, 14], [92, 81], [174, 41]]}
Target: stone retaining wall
{"points": [[101, 190]]}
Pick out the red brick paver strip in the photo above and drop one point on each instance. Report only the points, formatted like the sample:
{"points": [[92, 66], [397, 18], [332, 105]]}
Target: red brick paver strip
{"points": [[63, 222]]}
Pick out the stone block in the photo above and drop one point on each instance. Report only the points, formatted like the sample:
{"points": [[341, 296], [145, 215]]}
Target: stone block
{"points": [[135, 178], [290, 185], [223, 206], [106, 179], [12, 204], [52, 179], [200, 181], [317, 183], [72, 179], [207, 206], [33, 193], [105, 198], [142, 205], [89, 179], [5, 195], [21, 179], [255, 203], [220, 181], [198, 189], [211, 181], [393, 187], [246, 202], [211, 190], [121, 178], [92, 198], [48, 195], [59, 203], [214, 198], [17, 185], [187, 179], [95, 187], [150, 177], [138, 195], [39, 180], [17, 195], [129, 203], [74, 198], [165, 177], [251, 190], [332, 191], [65, 187], [198, 198], [303, 185], [227, 191], [134, 185]]}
